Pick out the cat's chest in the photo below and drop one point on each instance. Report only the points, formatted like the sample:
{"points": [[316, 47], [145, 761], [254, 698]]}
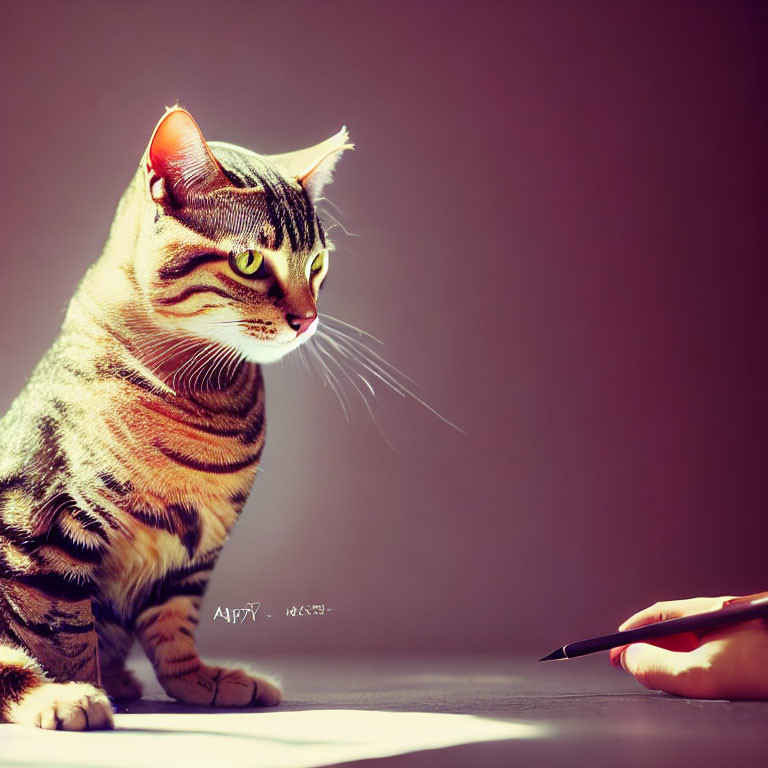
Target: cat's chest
{"points": [[174, 470], [145, 554], [170, 476]]}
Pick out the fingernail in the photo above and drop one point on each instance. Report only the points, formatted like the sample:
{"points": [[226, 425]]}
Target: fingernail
{"points": [[622, 660]]}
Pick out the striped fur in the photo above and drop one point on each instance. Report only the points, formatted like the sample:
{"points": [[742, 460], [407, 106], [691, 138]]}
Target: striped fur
{"points": [[127, 458]]}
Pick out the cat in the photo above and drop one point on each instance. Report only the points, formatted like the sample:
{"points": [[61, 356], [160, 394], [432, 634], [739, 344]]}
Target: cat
{"points": [[128, 456]]}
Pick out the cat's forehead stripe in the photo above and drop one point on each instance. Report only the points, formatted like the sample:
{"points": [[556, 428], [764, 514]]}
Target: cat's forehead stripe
{"points": [[276, 210]]}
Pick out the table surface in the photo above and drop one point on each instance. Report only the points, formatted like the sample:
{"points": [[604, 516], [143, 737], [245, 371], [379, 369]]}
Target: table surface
{"points": [[407, 712]]}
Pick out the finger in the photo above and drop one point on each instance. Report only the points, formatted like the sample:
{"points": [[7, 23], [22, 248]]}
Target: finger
{"points": [[652, 614], [684, 642], [662, 670], [615, 655], [671, 609]]}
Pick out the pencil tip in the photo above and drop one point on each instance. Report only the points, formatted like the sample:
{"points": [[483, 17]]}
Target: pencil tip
{"points": [[558, 654]]}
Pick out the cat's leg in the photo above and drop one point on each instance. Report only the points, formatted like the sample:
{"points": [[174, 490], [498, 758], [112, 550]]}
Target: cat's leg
{"points": [[49, 662], [114, 644], [166, 632]]}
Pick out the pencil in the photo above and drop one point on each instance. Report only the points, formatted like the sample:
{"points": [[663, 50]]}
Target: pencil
{"points": [[734, 613]]}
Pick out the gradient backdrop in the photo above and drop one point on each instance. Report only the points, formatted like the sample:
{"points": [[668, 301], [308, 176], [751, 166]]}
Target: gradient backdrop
{"points": [[559, 213]]}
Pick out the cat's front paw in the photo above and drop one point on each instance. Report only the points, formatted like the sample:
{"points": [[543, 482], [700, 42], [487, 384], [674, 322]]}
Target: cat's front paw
{"points": [[64, 706], [238, 688], [220, 687], [122, 685]]}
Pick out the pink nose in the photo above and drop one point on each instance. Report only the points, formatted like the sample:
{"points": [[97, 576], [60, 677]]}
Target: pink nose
{"points": [[301, 323]]}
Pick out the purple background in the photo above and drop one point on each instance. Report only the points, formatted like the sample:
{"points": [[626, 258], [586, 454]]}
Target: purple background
{"points": [[560, 210]]}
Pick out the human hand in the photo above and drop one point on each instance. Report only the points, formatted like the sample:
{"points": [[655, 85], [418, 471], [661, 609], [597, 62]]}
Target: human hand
{"points": [[726, 663]]}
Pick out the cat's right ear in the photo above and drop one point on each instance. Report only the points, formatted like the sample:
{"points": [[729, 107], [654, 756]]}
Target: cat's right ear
{"points": [[179, 163]]}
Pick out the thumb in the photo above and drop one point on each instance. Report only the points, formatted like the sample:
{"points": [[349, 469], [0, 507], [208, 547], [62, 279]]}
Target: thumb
{"points": [[663, 670]]}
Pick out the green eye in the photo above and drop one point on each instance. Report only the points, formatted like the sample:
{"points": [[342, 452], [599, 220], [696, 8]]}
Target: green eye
{"points": [[248, 264], [317, 264]]}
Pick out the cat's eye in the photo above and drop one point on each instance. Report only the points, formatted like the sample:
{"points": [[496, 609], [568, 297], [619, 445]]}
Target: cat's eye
{"points": [[319, 262], [249, 264]]}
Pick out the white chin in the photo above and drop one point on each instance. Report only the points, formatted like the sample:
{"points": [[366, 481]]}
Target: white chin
{"points": [[269, 353], [262, 352]]}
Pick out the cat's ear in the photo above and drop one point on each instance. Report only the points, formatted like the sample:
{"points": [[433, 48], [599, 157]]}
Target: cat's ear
{"points": [[313, 167], [179, 162]]}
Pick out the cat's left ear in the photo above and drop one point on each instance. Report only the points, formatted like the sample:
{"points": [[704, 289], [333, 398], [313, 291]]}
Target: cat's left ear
{"points": [[313, 167], [180, 163]]}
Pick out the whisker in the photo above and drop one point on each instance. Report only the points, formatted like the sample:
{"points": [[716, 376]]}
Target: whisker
{"points": [[304, 360], [332, 381], [364, 348], [213, 366], [345, 348], [219, 364], [209, 367], [328, 214], [346, 354], [194, 374], [328, 200], [324, 316], [344, 342], [327, 353], [318, 343], [188, 364], [158, 363], [236, 359], [166, 354], [331, 228], [382, 374]]}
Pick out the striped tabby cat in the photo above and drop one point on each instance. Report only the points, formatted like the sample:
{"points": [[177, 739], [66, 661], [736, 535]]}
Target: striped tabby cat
{"points": [[127, 458]]}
